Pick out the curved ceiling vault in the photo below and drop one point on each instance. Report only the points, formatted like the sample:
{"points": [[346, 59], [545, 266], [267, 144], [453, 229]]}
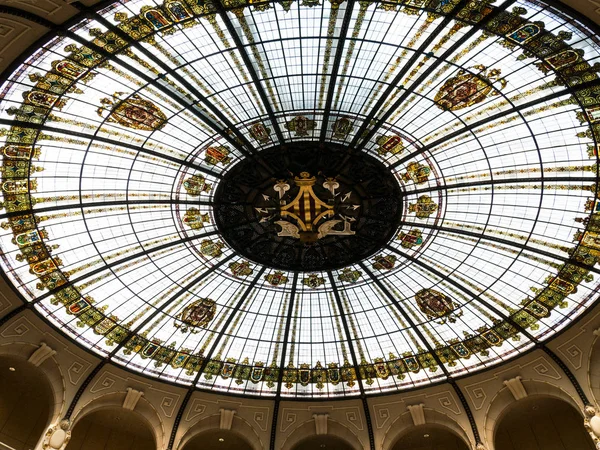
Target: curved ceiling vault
{"points": [[305, 198]]}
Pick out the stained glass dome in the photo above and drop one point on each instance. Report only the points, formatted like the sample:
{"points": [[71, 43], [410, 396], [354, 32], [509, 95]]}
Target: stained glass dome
{"points": [[305, 198]]}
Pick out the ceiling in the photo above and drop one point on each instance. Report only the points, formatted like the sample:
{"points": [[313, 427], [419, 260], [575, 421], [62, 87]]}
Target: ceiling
{"points": [[326, 442], [429, 437], [118, 136], [24, 403], [114, 428], [217, 439], [521, 428]]}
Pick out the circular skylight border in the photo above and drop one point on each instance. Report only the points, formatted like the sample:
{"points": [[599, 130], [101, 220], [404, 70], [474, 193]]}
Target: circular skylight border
{"points": [[120, 131]]}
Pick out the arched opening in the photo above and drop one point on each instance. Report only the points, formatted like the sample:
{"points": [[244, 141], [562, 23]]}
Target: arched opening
{"points": [[429, 437], [326, 442], [303, 436], [25, 403], [541, 423], [112, 428], [217, 440]]}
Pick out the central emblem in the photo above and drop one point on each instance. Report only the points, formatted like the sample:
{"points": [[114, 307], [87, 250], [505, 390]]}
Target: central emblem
{"points": [[305, 208], [302, 214]]}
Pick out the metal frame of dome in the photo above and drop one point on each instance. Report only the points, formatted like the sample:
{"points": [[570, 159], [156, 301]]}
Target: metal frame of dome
{"points": [[376, 280]]}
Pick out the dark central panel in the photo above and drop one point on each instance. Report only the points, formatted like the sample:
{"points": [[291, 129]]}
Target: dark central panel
{"points": [[308, 208]]}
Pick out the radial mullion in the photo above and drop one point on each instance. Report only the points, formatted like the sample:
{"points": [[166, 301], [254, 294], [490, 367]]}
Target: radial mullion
{"points": [[384, 116], [250, 67]]}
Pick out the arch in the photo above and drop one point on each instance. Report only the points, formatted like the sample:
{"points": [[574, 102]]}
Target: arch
{"points": [[239, 427], [218, 439], [504, 400], [429, 437], [26, 402], [541, 422], [319, 441], [404, 424], [112, 427], [49, 369], [115, 401], [334, 428]]}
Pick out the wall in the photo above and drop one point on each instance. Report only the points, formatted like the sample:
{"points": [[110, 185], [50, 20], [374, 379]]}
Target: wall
{"points": [[25, 402], [78, 381], [112, 429], [542, 424], [427, 437]]}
